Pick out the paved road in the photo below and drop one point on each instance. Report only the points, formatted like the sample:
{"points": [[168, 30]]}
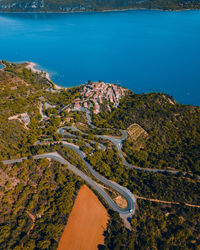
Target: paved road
{"points": [[123, 191], [62, 132], [118, 143]]}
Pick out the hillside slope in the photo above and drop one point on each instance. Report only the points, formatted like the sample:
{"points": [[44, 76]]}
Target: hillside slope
{"points": [[37, 195], [93, 5], [173, 131]]}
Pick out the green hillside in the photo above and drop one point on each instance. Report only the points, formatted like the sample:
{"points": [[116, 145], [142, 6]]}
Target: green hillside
{"points": [[37, 192], [173, 131], [94, 5]]}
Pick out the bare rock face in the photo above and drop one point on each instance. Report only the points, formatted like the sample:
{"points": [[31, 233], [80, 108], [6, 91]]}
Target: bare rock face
{"points": [[43, 5], [21, 5]]}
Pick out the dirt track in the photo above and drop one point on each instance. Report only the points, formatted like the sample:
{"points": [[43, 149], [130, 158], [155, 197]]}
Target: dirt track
{"points": [[86, 224], [169, 202]]}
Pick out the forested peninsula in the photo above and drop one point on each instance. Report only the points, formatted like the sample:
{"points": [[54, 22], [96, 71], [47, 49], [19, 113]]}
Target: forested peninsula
{"points": [[141, 148], [94, 5]]}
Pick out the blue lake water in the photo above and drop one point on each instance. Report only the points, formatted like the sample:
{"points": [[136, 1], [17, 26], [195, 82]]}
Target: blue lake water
{"points": [[145, 51]]}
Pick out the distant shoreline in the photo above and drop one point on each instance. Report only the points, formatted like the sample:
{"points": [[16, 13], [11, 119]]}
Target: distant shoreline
{"points": [[93, 11]]}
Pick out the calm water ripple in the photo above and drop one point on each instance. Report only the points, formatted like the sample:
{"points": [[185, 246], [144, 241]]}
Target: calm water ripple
{"points": [[143, 50]]}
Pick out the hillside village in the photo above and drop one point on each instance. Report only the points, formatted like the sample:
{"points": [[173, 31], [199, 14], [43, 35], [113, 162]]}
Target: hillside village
{"points": [[98, 93]]}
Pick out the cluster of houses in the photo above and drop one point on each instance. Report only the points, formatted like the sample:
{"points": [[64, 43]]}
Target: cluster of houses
{"points": [[98, 93], [93, 95]]}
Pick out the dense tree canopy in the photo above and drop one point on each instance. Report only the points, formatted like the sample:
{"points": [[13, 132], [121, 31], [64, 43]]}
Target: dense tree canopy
{"points": [[174, 131], [37, 196]]}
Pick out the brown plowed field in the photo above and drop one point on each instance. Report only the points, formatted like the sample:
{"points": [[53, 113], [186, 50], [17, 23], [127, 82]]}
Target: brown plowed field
{"points": [[86, 224]]}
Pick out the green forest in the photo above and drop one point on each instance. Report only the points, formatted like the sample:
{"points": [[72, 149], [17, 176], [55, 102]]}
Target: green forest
{"points": [[156, 226], [36, 199], [162, 186], [174, 131], [37, 196]]}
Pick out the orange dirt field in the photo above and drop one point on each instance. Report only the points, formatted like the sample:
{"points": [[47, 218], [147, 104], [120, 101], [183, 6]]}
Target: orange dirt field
{"points": [[86, 223]]}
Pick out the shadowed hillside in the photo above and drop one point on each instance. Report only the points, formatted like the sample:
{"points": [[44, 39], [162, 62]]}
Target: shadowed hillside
{"points": [[96, 5]]}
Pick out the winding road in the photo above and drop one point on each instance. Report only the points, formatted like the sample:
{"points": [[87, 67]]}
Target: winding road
{"points": [[123, 191], [125, 213], [118, 142]]}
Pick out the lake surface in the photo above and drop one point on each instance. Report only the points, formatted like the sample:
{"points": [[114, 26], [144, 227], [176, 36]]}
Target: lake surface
{"points": [[145, 51]]}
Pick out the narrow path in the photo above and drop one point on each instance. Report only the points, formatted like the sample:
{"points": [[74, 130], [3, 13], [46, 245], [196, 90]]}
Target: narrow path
{"points": [[44, 117], [33, 221], [168, 202]]}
